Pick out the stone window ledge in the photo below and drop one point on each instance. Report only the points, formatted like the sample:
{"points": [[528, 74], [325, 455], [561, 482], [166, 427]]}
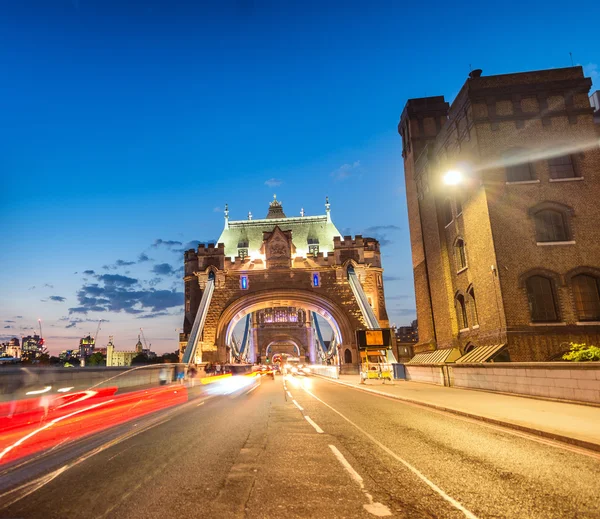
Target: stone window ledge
{"points": [[521, 182], [476, 327], [546, 243], [461, 270], [549, 324], [569, 179], [588, 323], [462, 330]]}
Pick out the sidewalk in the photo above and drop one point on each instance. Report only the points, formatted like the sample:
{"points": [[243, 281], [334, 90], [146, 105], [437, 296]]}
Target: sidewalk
{"points": [[570, 423]]}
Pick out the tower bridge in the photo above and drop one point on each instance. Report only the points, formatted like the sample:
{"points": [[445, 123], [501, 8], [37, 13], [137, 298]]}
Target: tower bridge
{"points": [[282, 277]]}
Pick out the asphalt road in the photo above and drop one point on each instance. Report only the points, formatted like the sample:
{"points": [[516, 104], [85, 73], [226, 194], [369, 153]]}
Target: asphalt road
{"points": [[317, 450]]}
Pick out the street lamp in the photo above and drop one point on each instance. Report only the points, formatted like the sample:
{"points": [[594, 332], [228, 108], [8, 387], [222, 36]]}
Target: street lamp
{"points": [[452, 177]]}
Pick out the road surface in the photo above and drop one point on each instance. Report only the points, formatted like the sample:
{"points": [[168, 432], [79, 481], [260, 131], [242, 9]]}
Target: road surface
{"points": [[306, 448]]}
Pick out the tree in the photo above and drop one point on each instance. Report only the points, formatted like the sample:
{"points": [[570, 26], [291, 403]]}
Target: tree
{"points": [[582, 352], [96, 359], [170, 357], [140, 358], [44, 358]]}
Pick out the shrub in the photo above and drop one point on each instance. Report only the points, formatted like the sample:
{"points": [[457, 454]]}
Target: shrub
{"points": [[582, 353]]}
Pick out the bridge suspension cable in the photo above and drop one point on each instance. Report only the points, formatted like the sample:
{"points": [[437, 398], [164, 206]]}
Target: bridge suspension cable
{"points": [[190, 350], [361, 299]]}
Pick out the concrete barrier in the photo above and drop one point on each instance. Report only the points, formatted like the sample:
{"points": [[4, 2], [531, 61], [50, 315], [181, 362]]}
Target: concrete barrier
{"points": [[15, 383], [579, 382], [325, 371]]}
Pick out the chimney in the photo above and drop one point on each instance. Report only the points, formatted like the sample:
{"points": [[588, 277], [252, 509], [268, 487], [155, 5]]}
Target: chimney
{"points": [[475, 73]]}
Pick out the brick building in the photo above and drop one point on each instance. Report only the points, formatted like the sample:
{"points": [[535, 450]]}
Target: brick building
{"points": [[506, 247]]}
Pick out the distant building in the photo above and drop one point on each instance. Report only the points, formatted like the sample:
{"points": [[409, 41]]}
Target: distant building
{"points": [[32, 347], [118, 358], [86, 346], [406, 338], [502, 192], [12, 348]]}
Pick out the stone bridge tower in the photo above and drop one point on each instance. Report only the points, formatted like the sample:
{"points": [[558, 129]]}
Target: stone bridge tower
{"points": [[282, 262]]}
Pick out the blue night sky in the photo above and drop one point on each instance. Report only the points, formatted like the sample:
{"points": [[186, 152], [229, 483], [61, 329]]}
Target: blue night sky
{"points": [[127, 125]]}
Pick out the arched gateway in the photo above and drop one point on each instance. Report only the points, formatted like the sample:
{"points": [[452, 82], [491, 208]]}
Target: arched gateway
{"points": [[283, 272]]}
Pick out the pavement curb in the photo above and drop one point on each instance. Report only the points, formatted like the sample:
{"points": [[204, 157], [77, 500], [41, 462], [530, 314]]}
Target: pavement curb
{"points": [[511, 425]]}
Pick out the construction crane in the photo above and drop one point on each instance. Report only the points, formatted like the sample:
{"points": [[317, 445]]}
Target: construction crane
{"points": [[96, 334], [144, 337]]}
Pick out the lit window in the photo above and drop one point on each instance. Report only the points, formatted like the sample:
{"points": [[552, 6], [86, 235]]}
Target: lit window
{"points": [[244, 282], [313, 249], [316, 281], [561, 167], [542, 303], [243, 253], [550, 225], [586, 291]]}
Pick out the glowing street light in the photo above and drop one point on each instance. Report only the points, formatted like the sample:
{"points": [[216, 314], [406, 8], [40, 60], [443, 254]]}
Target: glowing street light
{"points": [[453, 177]]}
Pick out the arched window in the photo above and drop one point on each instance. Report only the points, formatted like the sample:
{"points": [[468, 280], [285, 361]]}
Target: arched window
{"points": [[461, 312], [542, 302], [469, 347], [518, 168], [460, 254], [586, 291], [447, 211], [561, 167], [551, 225], [347, 356], [473, 304]]}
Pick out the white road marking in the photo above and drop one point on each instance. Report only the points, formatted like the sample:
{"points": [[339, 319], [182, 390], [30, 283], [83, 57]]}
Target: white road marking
{"points": [[298, 405], [378, 509], [201, 403], [289, 394], [252, 389], [317, 428], [415, 471]]}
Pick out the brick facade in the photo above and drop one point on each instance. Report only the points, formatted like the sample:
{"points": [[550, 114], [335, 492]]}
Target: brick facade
{"points": [[534, 116], [282, 275]]}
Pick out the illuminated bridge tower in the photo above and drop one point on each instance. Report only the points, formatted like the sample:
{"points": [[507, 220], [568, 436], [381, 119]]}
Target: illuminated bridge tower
{"points": [[282, 262]]}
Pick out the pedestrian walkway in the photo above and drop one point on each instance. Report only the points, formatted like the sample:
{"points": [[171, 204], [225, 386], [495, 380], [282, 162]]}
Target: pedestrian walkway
{"points": [[572, 423]]}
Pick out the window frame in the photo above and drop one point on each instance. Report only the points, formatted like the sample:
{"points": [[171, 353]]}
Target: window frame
{"points": [[546, 231], [460, 254], [447, 212], [535, 310], [595, 314], [554, 169], [462, 317]]}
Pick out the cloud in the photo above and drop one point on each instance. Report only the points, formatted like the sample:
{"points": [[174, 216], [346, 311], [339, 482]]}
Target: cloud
{"points": [[273, 182], [217, 209], [380, 233], [89, 272], [71, 325], [163, 269], [31, 288], [48, 285], [392, 298], [152, 315], [167, 243], [8, 321], [392, 278], [58, 299], [115, 293], [117, 279], [403, 311], [122, 263], [18, 317], [346, 170], [7, 326], [154, 281], [143, 257]]}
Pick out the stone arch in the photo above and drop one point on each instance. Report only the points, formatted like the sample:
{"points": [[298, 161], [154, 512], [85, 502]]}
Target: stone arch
{"points": [[259, 300], [280, 341], [347, 356]]}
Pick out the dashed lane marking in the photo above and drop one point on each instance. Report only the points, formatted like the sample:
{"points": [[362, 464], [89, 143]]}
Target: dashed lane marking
{"points": [[378, 509], [415, 471], [317, 428], [298, 405]]}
